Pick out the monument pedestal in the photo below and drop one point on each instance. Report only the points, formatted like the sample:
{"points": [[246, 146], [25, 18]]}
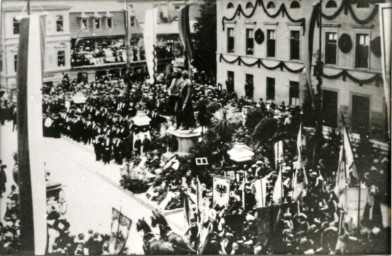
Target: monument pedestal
{"points": [[186, 139]]}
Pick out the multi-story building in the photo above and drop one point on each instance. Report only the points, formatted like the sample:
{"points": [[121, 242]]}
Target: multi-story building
{"points": [[86, 39], [57, 39], [263, 42]]}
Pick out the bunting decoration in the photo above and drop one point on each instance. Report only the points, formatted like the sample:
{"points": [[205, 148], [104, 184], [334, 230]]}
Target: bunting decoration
{"points": [[347, 8], [281, 11], [32, 185]]}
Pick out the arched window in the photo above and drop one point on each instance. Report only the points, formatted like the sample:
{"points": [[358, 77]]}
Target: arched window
{"points": [[249, 5], [270, 5], [331, 4], [295, 5], [230, 5], [363, 4]]}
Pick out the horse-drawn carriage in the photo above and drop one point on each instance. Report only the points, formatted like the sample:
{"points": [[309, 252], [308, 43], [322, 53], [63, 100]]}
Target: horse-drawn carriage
{"points": [[55, 198]]}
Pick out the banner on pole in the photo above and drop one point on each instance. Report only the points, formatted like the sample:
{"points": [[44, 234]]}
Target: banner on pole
{"points": [[221, 191], [349, 201], [120, 227]]}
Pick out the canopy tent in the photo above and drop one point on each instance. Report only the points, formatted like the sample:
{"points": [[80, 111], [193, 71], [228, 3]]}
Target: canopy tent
{"points": [[141, 119], [241, 153]]}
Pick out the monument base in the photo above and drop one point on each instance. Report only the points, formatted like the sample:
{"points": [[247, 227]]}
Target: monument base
{"points": [[186, 139]]}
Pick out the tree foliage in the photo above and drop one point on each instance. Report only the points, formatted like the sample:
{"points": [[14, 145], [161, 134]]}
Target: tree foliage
{"points": [[205, 38]]}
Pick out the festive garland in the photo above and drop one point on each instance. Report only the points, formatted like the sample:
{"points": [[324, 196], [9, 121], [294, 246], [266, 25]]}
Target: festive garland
{"points": [[345, 74], [282, 10], [259, 62], [346, 7], [282, 65]]}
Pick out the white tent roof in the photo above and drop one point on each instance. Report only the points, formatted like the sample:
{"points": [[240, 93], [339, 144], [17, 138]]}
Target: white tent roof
{"points": [[241, 153]]}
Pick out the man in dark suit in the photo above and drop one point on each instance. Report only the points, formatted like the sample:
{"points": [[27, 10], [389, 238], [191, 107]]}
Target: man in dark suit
{"points": [[137, 146], [146, 144]]}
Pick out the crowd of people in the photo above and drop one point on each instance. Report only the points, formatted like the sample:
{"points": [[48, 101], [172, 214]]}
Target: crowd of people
{"points": [[8, 112], [308, 223]]}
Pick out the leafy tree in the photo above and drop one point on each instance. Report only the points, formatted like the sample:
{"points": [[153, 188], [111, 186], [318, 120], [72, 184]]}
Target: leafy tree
{"points": [[265, 130], [253, 117], [205, 38]]}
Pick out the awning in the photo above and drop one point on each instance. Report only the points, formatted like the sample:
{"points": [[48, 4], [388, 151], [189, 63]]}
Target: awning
{"points": [[241, 153]]}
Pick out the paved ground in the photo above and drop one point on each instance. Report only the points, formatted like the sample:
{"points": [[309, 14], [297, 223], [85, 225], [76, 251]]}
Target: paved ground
{"points": [[91, 187]]}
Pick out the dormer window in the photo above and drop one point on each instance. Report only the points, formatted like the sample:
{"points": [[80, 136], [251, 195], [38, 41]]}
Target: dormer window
{"points": [[331, 4], [295, 5], [249, 5], [271, 5]]}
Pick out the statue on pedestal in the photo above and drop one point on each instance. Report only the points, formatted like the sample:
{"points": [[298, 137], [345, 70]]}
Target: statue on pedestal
{"points": [[174, 96], [187, 119]]}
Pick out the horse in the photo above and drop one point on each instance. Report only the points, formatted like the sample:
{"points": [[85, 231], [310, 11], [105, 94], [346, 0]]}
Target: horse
{"points": [[152, 245], [167, 234]]}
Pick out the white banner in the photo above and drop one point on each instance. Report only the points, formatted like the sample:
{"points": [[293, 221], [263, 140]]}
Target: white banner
{"points": [[385, 33], [349, 201], [221, 191], [260, 187], [149, 34]]}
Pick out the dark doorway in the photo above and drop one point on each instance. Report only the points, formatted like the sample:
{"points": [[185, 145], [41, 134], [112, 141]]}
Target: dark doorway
{"points": [[360, 117]]}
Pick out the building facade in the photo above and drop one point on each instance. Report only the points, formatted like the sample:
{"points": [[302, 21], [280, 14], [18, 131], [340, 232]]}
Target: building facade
{"points": [[263, 41], [57, 55], [87, 39]]}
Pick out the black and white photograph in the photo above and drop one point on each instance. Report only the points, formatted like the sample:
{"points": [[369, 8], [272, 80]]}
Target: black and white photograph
{"points": [[195, 127]]}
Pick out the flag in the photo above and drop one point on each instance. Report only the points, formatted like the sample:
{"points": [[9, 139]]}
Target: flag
{"points": [[385, 33], [199, 200], [306, 77], [267, 218], [149, 35], [184, 32], [188, 211], [277, 195], [301, 142], [221, 191], [341, 180], [260, 187], [120, 227], [33, 227], [278, 147], [299, 185], [353, 201], [351, 170]]}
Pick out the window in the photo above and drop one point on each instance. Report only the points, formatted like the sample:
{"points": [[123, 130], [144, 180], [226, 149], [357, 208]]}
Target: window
{"points": [[109, 22], [59, 23], [294, 93], [363, 4], [230, 82], [83, 24], [270, 5], [330, 108], [249, 87], [97, 23], [230, 40], [362, 51], [16, 25], [295, 5], [132, 21], [61, 58], [331, 47], [331, 4], [249, 5], [270, 88], [360, 116], [249, 42], [271, 43], [230, 5], [16, 63], [294, 45]]}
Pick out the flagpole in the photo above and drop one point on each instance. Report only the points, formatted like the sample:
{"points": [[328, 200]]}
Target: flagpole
{"points": [[118, 229]]}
